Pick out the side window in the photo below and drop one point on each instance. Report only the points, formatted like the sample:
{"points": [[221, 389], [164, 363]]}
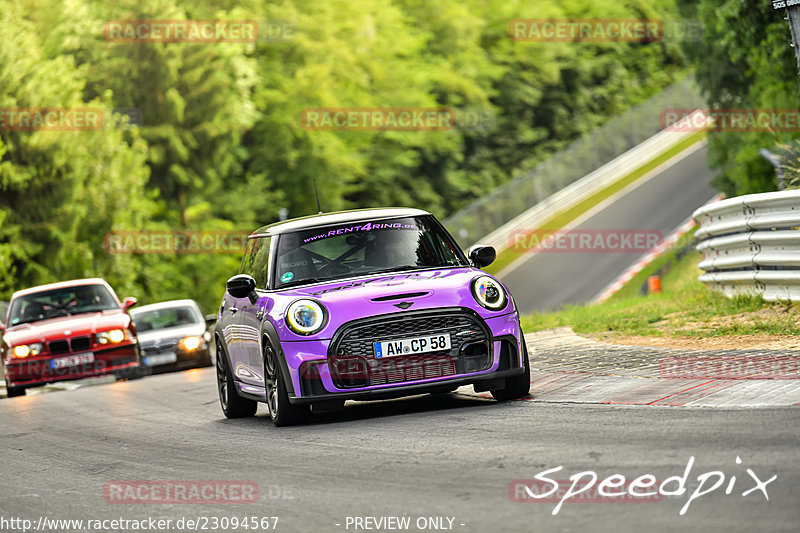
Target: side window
{"points": [[260, 265], [249, 255]]}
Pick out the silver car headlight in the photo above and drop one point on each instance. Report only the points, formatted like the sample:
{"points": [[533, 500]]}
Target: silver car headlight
{"points": [[305, 317], [489, 293]]}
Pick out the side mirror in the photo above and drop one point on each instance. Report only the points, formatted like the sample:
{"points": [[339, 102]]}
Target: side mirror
{"points": [[210, 320], [241, 286], [127, 303], [482, 255]]}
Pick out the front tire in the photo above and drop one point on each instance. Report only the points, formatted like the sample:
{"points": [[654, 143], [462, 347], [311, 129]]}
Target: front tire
{"points": [[281, 411], [518, 386], [13, 392], [233, 405]]}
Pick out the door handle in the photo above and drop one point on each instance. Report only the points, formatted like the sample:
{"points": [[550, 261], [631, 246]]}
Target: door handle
{"points": [[233, 310]]}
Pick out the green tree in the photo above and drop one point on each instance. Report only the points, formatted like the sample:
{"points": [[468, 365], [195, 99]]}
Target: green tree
{"points": [[745, 61], [60, 191]]}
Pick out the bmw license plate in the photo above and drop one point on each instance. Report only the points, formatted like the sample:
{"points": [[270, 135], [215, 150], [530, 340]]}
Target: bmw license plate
{"points": [[160, 359], [429, 343], [72, 360]]}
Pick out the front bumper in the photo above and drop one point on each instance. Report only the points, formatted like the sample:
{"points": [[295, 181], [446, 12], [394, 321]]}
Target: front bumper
{"points": [[25, 373], [183, 361], [317, 377], [486, 379]]}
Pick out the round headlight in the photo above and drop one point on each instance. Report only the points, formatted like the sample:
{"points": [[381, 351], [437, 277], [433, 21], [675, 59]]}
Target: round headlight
{"points": [[489, 293], [22, 351], [112, 336], [305, 317]]}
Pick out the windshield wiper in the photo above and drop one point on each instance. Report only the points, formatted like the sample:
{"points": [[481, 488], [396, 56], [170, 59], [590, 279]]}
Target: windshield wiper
{"points": [[399, 268], [303, 281]]}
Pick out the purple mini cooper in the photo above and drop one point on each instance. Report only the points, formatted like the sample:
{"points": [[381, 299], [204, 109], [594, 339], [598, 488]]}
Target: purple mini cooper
{"points": [[363, 305]]}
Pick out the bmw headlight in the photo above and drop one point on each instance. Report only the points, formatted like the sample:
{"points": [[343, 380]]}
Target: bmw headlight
{"points": [[305, 317], [24, 350], [489, 293], [113, 336]]}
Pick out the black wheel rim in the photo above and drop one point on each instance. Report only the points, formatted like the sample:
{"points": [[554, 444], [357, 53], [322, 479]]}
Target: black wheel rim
{"points": [[222, 378], [270, 381]]}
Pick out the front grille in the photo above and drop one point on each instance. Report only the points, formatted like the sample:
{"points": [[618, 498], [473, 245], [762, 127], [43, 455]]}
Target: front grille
{"points": [[80, 343], [59, 346], [153, 348], [352, 362], [394, 369], [65, 345]]}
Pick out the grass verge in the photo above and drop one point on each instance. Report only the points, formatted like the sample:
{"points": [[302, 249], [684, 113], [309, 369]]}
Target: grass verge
{"points": [[685, 308], [561, 219]]}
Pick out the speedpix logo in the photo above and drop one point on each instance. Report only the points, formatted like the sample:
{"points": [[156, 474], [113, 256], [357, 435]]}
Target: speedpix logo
{"points": [[584, 487]]}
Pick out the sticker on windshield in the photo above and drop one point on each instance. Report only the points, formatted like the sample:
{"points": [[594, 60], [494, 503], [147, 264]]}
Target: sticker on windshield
{"points": [[369, 226], [287, 277]]}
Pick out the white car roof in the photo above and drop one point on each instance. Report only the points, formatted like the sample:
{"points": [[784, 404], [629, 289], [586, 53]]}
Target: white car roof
{"points": [[187, 302]]}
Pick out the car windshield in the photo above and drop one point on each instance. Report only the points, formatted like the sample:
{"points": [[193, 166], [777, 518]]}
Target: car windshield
{"points": [[360, 248], [60, 302], [165, 318]]}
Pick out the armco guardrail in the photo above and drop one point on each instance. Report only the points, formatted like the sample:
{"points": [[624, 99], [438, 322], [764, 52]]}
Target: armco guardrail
{"points": [[751, 245]]}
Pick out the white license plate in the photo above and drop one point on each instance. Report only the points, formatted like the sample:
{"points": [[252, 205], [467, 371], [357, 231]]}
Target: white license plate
{"points": [[160, 359], [72, 360], [429, 343]]}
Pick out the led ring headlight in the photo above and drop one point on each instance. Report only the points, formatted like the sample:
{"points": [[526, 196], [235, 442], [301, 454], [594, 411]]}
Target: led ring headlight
{"points": [[305, 317], [489, 293]]}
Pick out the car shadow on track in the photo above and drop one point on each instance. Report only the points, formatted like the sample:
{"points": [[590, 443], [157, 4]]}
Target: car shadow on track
{"points": [[358, 411]]}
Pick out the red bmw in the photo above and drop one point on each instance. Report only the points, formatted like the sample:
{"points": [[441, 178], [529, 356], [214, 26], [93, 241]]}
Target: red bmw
{"points": [[68, 330]]}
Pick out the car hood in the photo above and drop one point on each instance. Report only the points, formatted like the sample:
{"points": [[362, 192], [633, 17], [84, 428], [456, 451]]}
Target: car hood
{"points": [[66, 326], [150, 337], [394, 293]]}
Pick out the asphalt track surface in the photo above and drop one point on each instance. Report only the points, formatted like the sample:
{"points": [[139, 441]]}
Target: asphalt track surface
{"points": [[547, 281], [456, 456], [427, 456]]}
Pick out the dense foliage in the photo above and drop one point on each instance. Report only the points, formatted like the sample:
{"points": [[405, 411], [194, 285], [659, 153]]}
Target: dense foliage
{"points": [[745, 61], [221, 145]]}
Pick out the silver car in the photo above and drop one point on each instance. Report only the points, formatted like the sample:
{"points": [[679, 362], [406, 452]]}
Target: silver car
{"points": [[173, 335]]}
